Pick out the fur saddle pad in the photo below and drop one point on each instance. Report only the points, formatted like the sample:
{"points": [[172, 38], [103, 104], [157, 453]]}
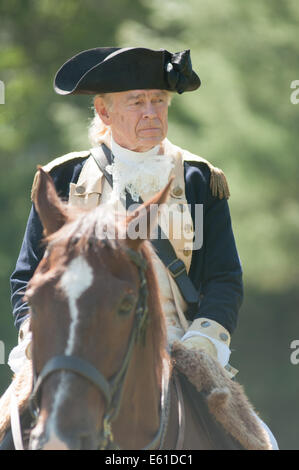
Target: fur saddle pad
{"points": [[225, 398]]}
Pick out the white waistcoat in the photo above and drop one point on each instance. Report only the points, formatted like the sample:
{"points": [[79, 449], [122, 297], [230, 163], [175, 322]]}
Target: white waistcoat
{"points": [[92, 189]]}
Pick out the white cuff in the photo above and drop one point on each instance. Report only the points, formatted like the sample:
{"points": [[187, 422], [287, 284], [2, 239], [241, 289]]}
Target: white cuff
{"points": [[223, 351], [17, 356]]}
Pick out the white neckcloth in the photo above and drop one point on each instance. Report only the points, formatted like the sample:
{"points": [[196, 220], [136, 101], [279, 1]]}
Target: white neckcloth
{"points": [[138, 172]]}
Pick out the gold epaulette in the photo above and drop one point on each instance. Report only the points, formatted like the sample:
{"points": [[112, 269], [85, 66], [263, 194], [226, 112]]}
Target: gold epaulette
{"points": [[56, 163], [218, 182]]}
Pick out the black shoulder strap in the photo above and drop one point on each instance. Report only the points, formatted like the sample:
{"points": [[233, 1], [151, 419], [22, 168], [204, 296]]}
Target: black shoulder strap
{"points": [[164, 248], [103, 158]]}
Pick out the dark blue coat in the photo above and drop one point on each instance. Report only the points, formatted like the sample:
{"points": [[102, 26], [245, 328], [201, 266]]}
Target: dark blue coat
{"points": [[215, 268]]}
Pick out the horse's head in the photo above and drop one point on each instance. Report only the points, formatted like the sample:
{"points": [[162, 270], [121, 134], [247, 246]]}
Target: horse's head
{"points": [[89, 304]]}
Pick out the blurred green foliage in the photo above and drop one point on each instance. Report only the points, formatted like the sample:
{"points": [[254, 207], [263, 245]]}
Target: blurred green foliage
{"points": [[241, 119]]}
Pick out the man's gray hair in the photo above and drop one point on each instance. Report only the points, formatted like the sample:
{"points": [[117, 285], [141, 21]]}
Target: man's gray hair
{"points": [[97, 127]]}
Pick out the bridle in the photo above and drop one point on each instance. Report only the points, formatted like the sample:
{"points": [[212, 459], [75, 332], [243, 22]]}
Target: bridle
{"points": [[111, 389]]}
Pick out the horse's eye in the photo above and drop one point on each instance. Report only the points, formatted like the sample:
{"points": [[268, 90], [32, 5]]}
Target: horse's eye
{"points": [[127, 304]]}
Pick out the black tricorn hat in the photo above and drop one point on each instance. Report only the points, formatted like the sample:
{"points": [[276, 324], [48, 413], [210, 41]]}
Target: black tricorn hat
{"points": [[113, 69]]}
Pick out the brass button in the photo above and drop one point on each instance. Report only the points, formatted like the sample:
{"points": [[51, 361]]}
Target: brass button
{"points": [[80, 189], [177, 191], [188, 228], [186, 252], [223, 336], [28, 351]]}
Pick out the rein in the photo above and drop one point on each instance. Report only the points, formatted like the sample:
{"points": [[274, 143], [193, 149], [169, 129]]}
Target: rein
{"points": [[111, 389]]}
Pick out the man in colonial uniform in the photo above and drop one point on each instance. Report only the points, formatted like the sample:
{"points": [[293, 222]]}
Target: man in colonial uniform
{"points": [[197, 264]]}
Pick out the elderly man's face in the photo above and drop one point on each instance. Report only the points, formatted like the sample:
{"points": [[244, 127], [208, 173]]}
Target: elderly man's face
{"points": [[138, 118]]}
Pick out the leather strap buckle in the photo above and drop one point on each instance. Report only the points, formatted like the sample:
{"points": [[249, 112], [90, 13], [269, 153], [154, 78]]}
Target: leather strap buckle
{"points": [[176, 267]]}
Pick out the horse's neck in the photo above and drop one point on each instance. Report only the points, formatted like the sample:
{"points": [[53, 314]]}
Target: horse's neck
{"points": [[139, 416]]}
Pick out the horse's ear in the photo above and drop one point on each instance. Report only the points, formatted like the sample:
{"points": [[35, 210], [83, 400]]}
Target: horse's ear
{"points": [[143, 219], [51, 210]]}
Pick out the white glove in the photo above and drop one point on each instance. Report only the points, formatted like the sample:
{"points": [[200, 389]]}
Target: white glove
{"points": [[209, 336], [22, 352]]}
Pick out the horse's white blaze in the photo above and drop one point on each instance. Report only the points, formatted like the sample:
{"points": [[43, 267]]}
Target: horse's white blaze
{"points": [[74, 282], [76, 279]]}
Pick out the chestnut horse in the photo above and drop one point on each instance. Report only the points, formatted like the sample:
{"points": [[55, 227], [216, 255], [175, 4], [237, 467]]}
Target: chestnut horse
{"points": [[103, 377]]}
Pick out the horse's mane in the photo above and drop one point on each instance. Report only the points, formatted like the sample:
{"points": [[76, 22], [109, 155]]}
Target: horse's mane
{"points": [[102, 227]]}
